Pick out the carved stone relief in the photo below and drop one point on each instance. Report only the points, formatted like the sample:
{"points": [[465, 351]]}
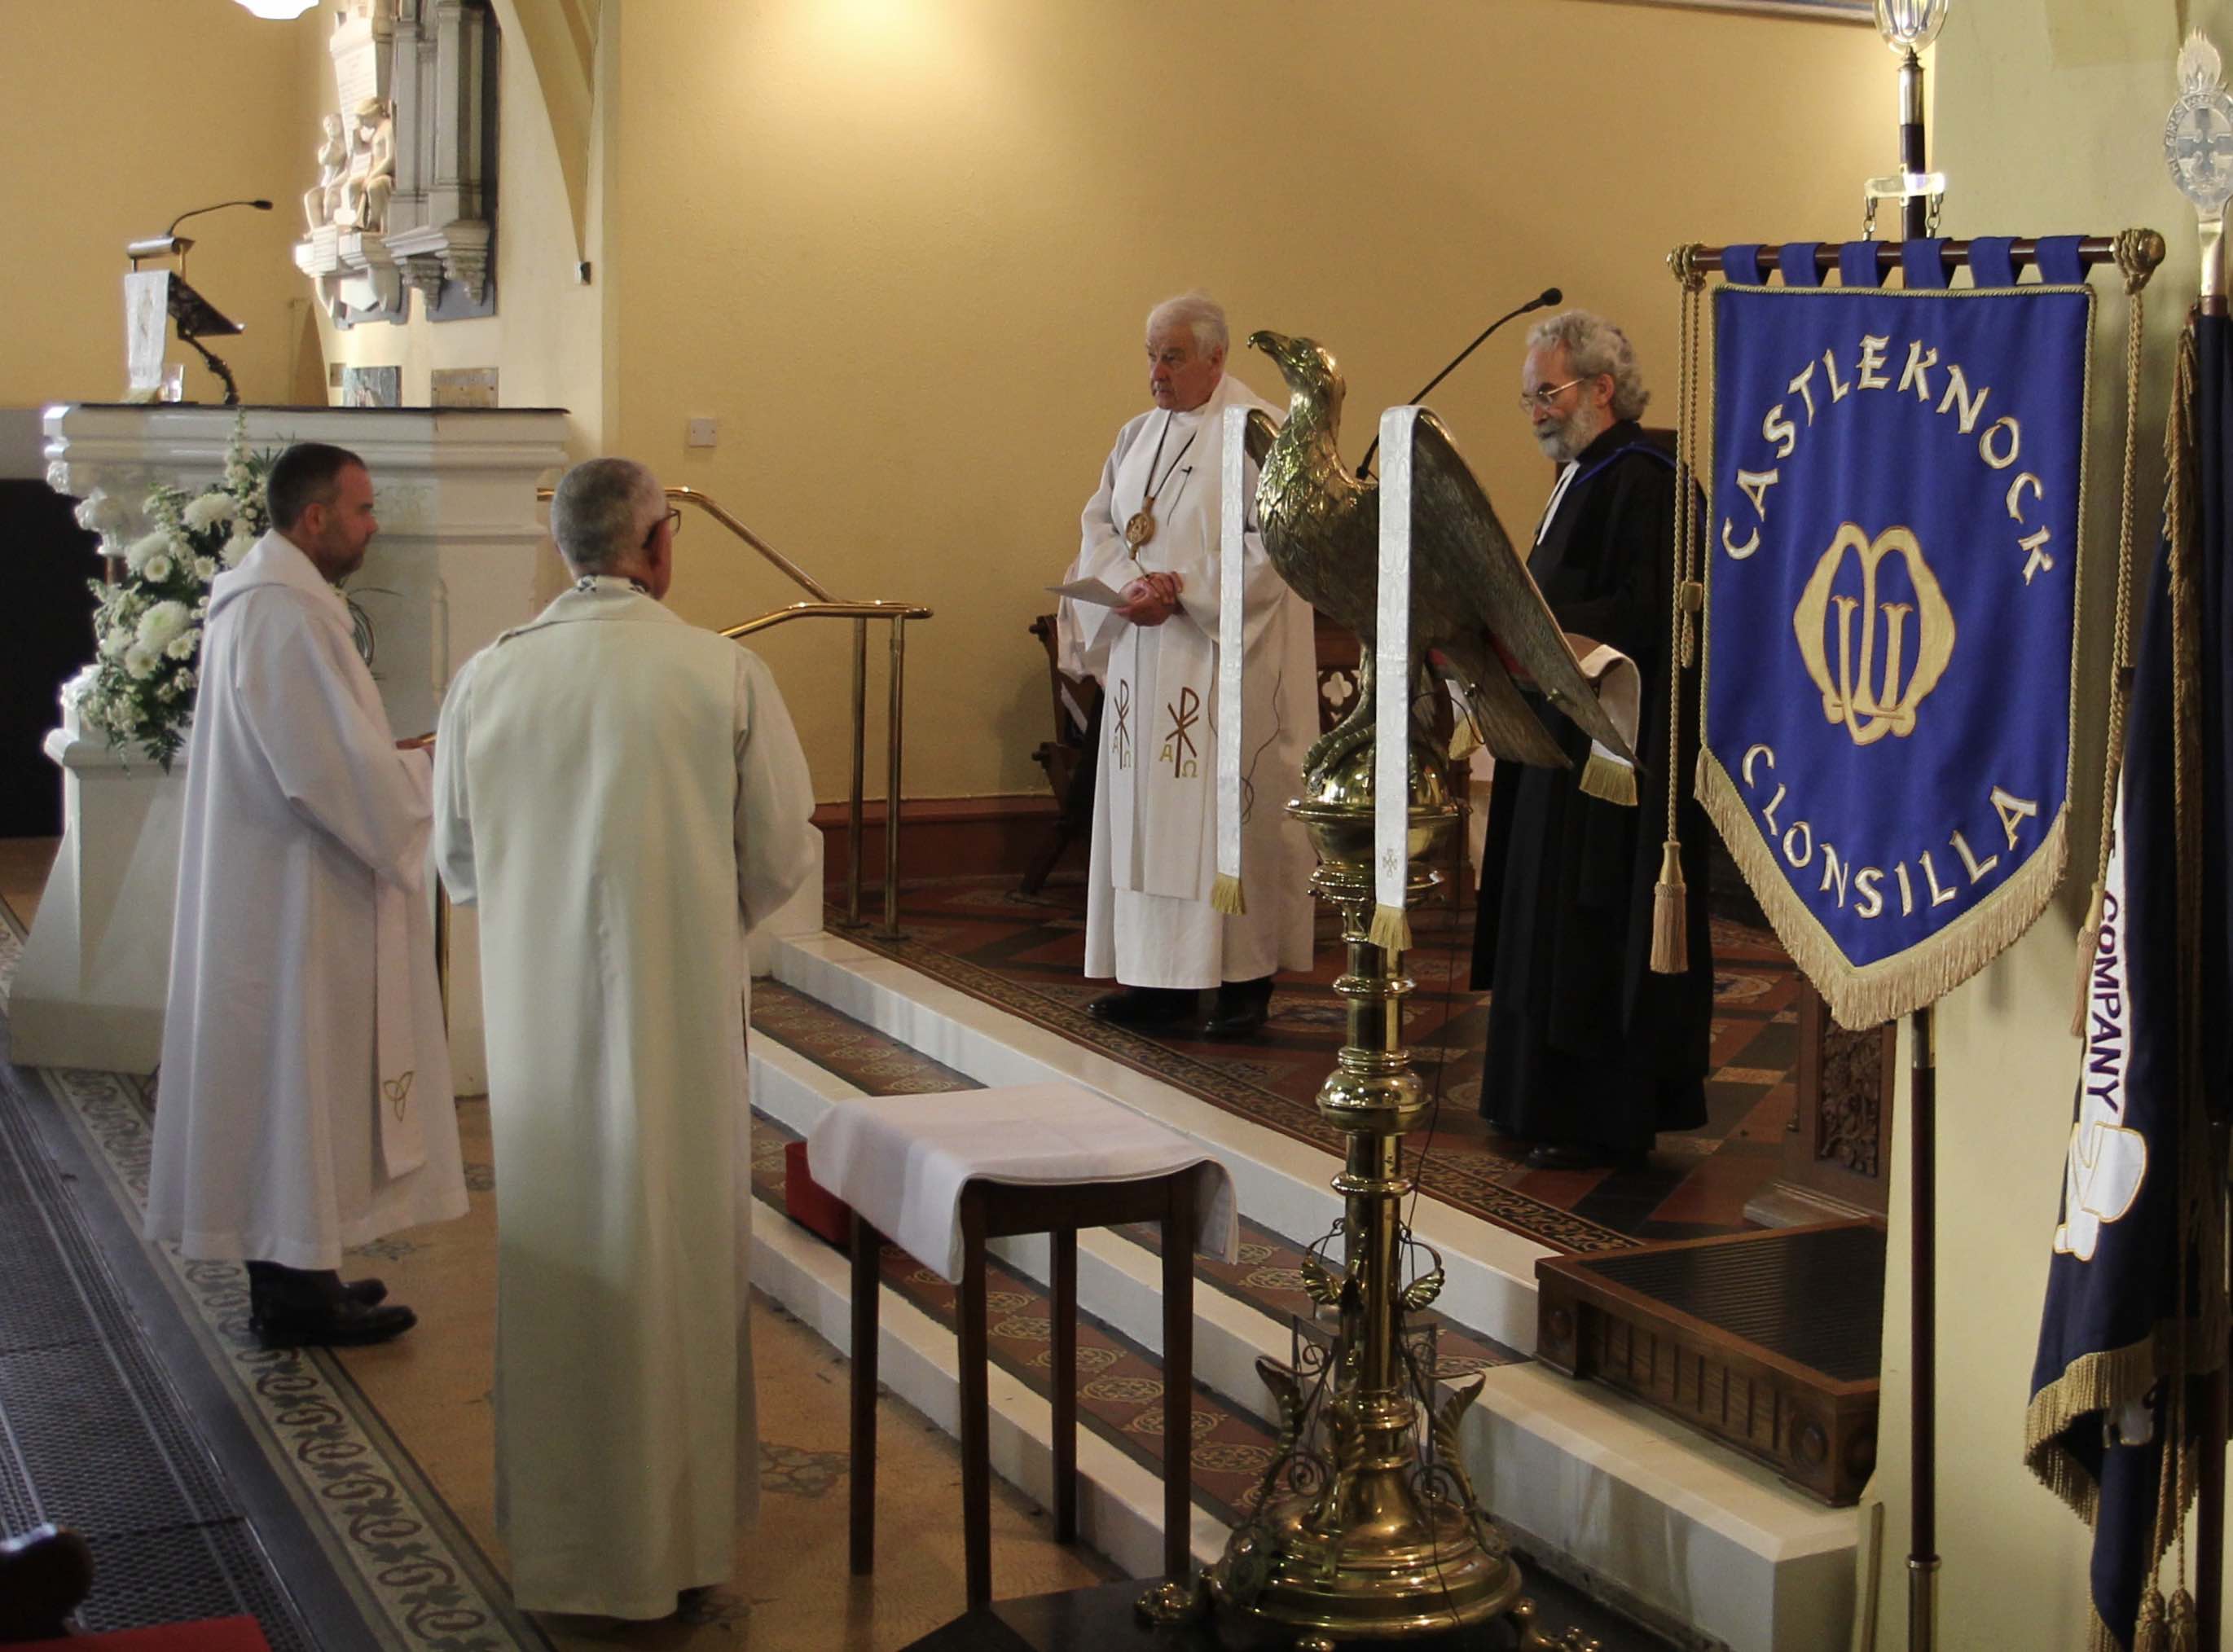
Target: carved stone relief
{"points": [[404, 196]]}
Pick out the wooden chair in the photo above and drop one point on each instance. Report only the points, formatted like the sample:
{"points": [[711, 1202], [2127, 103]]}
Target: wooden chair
{"points": [[1068, 759]]}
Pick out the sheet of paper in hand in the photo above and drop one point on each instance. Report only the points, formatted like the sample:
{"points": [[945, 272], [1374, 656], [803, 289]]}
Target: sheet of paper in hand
{"points": [[1090, 590], [1892, 578]]}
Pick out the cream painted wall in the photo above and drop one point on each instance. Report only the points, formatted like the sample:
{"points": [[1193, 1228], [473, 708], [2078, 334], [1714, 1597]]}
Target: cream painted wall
{"points": [[2048, 116], [114, 118], [901, 249], [546, 338]]}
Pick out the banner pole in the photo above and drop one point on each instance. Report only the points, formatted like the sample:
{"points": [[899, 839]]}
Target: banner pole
{"points": [[1923, 1307], [1923, 1111]]}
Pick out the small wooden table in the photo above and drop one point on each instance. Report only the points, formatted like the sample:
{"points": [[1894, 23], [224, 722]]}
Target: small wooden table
{"points": [[1104, 1165]]}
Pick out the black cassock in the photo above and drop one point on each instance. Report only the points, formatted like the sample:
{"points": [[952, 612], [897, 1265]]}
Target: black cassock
{"points": [[1586, 1047]]}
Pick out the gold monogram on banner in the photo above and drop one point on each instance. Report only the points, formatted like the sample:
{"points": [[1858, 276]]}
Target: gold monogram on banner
{"points": [[1868, 714]]}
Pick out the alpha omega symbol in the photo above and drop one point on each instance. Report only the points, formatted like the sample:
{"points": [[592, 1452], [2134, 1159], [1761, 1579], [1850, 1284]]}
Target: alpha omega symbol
{"points": [[1178, 744], [1868, 699]]}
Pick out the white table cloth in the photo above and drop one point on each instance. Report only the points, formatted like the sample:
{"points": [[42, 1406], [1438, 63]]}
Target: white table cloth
{"points": [[900, 1161]]}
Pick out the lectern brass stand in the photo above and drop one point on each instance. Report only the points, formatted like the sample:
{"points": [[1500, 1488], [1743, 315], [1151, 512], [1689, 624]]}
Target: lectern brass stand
{"points": [[1365, 1528]]}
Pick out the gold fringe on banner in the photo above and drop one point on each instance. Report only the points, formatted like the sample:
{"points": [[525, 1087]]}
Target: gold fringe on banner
{"points": [[1225, 896], [1863, 996], [1391, 930], [2097, 1382]]}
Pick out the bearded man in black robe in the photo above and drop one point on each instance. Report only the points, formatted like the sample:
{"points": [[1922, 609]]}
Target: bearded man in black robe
{"points": [[1590, 1054]]}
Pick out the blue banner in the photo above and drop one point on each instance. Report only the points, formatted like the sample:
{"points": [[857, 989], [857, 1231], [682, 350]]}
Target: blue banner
{"points": [[1892, 575], [2141, 1184]]}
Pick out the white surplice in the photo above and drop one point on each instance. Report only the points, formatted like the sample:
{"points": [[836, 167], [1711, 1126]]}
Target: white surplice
{"points": [[1148, 921], [303, 1103], [622, 796]]}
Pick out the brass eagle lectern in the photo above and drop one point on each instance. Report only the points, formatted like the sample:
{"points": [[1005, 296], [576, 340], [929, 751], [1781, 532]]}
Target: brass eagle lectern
{"points": [[1365, 1527]]}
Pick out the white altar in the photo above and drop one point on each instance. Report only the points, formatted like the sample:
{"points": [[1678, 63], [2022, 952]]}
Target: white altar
{"points": [[460, 549]]}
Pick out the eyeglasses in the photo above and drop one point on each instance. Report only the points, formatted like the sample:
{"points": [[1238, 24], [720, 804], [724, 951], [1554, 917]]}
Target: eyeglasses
{"points": [[673, 518], [1530, 399]]}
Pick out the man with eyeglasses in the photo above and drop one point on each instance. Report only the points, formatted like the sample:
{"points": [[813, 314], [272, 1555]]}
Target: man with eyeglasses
{"points": [[1152, 532], [622, 796], [1590, 1054]]}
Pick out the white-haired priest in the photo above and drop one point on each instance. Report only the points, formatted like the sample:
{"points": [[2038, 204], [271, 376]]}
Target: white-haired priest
{"points": [[622, 796], [1152, 532]]}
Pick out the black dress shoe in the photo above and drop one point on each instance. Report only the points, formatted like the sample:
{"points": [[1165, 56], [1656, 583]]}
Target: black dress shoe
{"points": [[370, 1292], [1575, 1155], [1142, 1006], [345, 1323], [1242, 1008]]}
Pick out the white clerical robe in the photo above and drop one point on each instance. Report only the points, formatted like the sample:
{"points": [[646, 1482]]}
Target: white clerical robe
{"points": [[304, 1102], [622, 796], [1148, 921]]}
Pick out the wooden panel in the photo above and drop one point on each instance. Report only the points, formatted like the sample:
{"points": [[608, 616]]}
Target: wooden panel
{"points": [[1815, 1429]]}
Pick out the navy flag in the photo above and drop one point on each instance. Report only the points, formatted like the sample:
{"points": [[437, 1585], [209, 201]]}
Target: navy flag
{"points": [[2132, 1298], [1891, 581]]}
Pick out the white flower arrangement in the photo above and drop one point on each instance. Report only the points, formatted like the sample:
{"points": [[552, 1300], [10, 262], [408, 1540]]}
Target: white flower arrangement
{"points": [[209, 511], [148, 631]]}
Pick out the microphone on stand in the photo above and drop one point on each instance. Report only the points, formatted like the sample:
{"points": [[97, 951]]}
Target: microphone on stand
{"points": [[170, 242], [1543, 300], [260, 206]]}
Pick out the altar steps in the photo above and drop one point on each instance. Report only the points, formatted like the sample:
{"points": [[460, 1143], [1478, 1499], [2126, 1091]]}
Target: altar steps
{"points": [[1623, 1501]]}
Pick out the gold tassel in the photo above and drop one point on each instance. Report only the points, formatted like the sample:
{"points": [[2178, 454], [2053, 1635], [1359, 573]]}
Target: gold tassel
{"points": [[1671, 944], [1391, 929], [2185, 1629], [1609, 779], [2089, 942], [1225, 896], [2152, 1633]]}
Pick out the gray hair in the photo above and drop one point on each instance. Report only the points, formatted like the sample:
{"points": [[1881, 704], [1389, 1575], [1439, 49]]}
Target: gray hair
{"points": [[601, 511], [1198, 311], [1595, 346]]}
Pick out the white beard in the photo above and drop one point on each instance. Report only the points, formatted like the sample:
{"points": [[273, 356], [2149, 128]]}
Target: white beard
{"points": [[1563, 443]]}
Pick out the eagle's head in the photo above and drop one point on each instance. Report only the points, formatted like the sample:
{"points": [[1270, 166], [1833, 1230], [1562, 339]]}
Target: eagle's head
{"points": [[1306, 366]]}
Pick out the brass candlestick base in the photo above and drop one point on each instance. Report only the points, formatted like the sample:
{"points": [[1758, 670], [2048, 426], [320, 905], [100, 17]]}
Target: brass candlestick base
{"points": [[1363, 1529]]}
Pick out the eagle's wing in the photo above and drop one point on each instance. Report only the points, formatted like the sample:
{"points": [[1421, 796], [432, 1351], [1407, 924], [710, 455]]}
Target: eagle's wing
{"points": [[1262, 433], [1509, 727], [1465, 575]]}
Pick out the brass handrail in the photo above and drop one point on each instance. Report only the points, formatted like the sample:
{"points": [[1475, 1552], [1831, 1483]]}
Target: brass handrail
{"points": [[879, 610], [712, 508], [826, 607]]}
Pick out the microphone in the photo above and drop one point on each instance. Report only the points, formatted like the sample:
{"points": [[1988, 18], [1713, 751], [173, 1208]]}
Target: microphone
{"points": [[261, 206], [1543, 300]]}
